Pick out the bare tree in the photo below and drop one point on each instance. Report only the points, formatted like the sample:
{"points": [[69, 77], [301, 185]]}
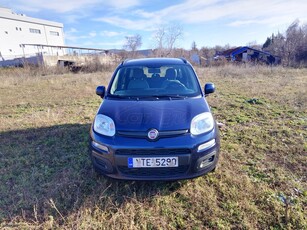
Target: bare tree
{"points": [[254, 44], [207, 53], [293, 37], [166, 36], [159, 36], [301, 55], [277, 45], [133, 43], [291, 47], [194, 46]]}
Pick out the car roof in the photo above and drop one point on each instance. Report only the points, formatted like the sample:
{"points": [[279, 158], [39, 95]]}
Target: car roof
{"points": [[154, 61]]}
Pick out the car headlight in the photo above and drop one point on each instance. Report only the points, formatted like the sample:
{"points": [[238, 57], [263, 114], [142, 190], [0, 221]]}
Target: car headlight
{"points": [[104, 125], [202, 123]]}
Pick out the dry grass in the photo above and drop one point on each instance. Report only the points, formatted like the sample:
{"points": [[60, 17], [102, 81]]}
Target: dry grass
{"points": [[284, 86], [47, 181]]}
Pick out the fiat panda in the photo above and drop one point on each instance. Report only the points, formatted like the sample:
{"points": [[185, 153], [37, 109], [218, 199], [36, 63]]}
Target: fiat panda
{"points": [[154, 123]]}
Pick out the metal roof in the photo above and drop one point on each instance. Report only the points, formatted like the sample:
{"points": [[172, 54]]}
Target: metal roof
{"points": [[241, 49]]}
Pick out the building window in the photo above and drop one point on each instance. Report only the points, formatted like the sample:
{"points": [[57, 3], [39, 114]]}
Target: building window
{"points": [[35, 31], [6, 32], [54, 33], [19, 29], [16, 28]]}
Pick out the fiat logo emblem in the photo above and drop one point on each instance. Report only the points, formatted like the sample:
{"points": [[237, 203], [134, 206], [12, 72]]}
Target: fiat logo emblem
{"points": [[153, 134]]}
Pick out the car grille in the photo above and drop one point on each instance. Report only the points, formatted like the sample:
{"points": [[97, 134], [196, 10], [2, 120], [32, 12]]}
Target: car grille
{"points": [[162, 134], [153, 172], [145, 152]]}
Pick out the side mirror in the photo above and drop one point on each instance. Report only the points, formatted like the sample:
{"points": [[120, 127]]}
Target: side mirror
{"points": [[100, 91], [209, 88]]}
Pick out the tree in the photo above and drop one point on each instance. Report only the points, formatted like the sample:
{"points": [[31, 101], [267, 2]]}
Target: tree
{"points": [[194, 46], [291, 47], [207, 53], [301, 55], [277, 46], [293, 38], [267, 43], [166, 36], [132, 43]]}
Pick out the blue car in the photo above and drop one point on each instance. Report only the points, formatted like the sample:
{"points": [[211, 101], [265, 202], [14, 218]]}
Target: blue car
{"points": [[154, 123]]}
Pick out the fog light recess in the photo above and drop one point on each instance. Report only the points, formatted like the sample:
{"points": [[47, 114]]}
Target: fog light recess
{"points": [[206, 162]]}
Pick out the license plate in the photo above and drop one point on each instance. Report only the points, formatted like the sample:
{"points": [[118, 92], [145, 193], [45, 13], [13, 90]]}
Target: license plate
{"points": [[152, 162]]}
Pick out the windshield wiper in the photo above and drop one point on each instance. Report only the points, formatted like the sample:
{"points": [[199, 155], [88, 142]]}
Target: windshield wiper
{"points": [[124, 97], [116, 96], [171, 96], [154, 97], [164, 96]]}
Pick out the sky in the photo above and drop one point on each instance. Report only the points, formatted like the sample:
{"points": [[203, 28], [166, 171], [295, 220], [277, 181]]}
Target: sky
{"points": [[105, 24]]}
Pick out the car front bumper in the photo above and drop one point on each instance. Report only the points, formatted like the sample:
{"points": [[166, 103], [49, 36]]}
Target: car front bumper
{"points": [[110, 156]]}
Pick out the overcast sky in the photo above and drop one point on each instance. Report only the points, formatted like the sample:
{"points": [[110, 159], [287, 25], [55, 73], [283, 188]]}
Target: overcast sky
{"points": [[104, 24]]}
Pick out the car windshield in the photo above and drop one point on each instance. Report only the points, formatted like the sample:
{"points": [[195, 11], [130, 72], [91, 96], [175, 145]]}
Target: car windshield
{"points": [[162, 81]]}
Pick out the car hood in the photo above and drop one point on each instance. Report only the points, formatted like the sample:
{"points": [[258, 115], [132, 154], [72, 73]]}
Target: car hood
{"points": [[160, 114]]}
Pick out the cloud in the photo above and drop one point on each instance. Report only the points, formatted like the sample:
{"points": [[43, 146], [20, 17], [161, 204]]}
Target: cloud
{"points": [[117, 44], [72, 35], [55, 5], [73, 18], [239, 11], [140, 19], [143, 14], [106, 33], [122, 4], [236, 12], [238, 23], [61, 6], [140, 24], [92, 34], [23, 8], [72, 30], [276, 21]]}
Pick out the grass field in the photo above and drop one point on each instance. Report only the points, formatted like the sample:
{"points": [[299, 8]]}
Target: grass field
{"points": [[47, 182]]}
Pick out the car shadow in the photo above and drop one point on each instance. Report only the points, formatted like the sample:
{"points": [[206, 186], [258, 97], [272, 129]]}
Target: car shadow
{"points": [[47, 172]]}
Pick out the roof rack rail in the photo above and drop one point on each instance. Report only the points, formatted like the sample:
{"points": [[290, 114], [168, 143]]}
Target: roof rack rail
{"points": [[184, 60], [124, 61]]}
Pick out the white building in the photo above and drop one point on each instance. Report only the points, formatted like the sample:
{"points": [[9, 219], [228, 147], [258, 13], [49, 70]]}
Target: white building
{"points": [[18, 29]]}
